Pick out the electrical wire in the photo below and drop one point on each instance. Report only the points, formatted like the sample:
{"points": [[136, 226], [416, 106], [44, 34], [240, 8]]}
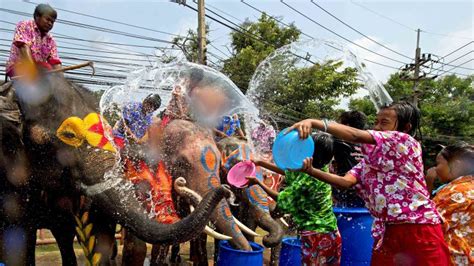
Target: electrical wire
{"points": [[340, 36], [354, 29]]}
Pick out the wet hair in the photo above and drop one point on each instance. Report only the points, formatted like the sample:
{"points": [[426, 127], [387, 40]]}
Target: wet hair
{"points": [[462, 152], [154, 100], [407, 113], [323, 149], [355, 119], [43, 9]]}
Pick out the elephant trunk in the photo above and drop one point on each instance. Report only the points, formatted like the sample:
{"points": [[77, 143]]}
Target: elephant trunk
{"points": [[222, 216], [116, 197], [274, 229]]}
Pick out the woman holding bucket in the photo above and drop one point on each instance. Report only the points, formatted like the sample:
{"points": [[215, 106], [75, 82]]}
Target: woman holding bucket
{"points": [[407, 227], [309, 202]]}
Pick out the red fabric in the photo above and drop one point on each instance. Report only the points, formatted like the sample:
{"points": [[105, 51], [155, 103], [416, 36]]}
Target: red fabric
{"points": [[321, 248], [412, 244]]}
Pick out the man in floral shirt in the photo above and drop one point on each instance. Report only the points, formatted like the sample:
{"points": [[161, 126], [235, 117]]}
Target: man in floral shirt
{"points": [[455, 200], [33, 45]]}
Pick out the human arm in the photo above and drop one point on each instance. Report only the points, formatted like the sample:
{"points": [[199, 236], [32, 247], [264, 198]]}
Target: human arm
{"points": [[255, 181], [340, 131], [269, 166], [345, 181]]}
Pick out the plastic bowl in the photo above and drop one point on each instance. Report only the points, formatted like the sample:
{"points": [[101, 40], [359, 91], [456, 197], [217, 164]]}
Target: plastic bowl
{"points": [[238, 172], [289, 150]]}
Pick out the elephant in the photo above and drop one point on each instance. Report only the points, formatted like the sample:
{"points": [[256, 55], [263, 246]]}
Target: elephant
{"points": [[50, 152]]}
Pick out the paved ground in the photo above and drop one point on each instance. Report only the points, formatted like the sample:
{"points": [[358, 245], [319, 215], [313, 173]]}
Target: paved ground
{"points": [[47, 255]]}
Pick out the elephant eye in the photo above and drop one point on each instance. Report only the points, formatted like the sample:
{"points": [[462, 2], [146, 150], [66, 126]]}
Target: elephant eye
{"points": [[68, 134]]}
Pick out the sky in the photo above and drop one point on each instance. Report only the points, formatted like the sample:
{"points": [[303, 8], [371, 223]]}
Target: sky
{"points": [[446, 25]]}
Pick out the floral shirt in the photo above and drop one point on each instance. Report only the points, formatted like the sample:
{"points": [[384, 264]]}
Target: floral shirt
{"points": [[390, 180], [455, 203], [43, 48]]}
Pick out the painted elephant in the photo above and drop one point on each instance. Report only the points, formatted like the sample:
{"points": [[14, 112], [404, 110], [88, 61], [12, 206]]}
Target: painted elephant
{"points": [[35, 160]]}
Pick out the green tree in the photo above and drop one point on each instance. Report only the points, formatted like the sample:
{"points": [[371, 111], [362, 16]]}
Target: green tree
{"points": [[252, 45], [189, 44]]}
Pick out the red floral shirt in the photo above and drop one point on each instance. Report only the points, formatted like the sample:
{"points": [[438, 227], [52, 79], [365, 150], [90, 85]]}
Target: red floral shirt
{"points": [[391, 181], [43, 48]]}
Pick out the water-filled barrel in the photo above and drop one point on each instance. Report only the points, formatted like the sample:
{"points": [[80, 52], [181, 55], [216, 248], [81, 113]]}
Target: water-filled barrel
{"points": [[290, 254], [354, 225], [228, 256]]}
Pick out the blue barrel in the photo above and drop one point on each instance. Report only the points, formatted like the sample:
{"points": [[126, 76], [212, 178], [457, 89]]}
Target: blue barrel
{"points": [[229, 256], [290, 254], [354, 225]]}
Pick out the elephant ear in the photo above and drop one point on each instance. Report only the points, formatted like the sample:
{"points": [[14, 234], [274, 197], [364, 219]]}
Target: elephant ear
{"points": [[72, 131]]}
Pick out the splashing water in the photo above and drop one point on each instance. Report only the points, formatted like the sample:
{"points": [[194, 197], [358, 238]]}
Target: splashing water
{"points": [[275, 72]]}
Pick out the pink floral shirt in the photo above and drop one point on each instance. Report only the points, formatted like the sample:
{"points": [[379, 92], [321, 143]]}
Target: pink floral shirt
{"points": [[391, 181], [43, 48]]}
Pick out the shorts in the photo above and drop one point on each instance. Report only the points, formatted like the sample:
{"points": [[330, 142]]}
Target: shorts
{"points": [[320, 248], [412, 244]]}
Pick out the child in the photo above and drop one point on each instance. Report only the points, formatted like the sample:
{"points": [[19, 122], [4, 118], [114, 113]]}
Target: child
{"points": [[309, 202], [406, 229], [455, 200]]}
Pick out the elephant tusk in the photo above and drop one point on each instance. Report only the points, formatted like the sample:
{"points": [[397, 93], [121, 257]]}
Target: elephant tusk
{"points": [[244, 228], [211, 232], [180, 186], [284, 222]]}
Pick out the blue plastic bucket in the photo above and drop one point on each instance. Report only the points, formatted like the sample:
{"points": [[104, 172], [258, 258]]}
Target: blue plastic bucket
{"points": [[228, 256], [290, 254], [354, 225]]}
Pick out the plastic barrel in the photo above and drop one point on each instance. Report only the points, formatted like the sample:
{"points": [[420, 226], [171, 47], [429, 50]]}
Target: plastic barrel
{"points": [[229, 256], [354, 225], [290, 254]]}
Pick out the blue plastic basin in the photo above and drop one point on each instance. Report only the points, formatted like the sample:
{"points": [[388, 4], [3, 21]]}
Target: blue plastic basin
{"points": [[228, 256], [354, 225], [290, 254]]}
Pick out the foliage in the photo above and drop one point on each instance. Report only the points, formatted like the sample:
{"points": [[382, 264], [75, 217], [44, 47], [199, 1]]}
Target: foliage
{"points": [[189, 44], [446, 108], [253, 44]]}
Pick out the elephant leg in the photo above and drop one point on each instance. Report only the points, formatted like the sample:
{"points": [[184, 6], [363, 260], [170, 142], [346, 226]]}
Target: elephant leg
{"points": [[134, 250], [175, 258], [65, 239], [216, 250], [275, 255], [159, 253], [104, 231], [198, 251]]}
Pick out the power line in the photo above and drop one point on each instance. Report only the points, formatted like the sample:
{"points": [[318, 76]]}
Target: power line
{"points": [[457, 49], [472, 59], [108, 20], [404, 25], [280, 21], [457, 58], [354, 29], [92, 27], [337, 34]]}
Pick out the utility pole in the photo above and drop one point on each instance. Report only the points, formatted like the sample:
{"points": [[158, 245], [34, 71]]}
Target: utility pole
{"points": [[201, 33], [416, 68]]}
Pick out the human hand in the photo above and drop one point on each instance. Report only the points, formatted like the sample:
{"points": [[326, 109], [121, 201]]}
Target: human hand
{"points": [[252, 180], [304, 128], [307, 165]]}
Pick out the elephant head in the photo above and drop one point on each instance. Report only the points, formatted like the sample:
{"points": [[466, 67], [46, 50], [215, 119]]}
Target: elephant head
{"points": [[58, 142], [190, 152], [235, 150]]}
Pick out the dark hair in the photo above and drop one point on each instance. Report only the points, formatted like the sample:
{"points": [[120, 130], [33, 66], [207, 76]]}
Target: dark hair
{"points": [[323, 149], [407, 113], [355, 119], [43, 9], [460, 151], [154, 100]]}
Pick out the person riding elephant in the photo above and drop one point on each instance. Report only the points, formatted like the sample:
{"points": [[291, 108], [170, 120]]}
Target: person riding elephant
{"points": [[64, 140], [33, 45]]}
